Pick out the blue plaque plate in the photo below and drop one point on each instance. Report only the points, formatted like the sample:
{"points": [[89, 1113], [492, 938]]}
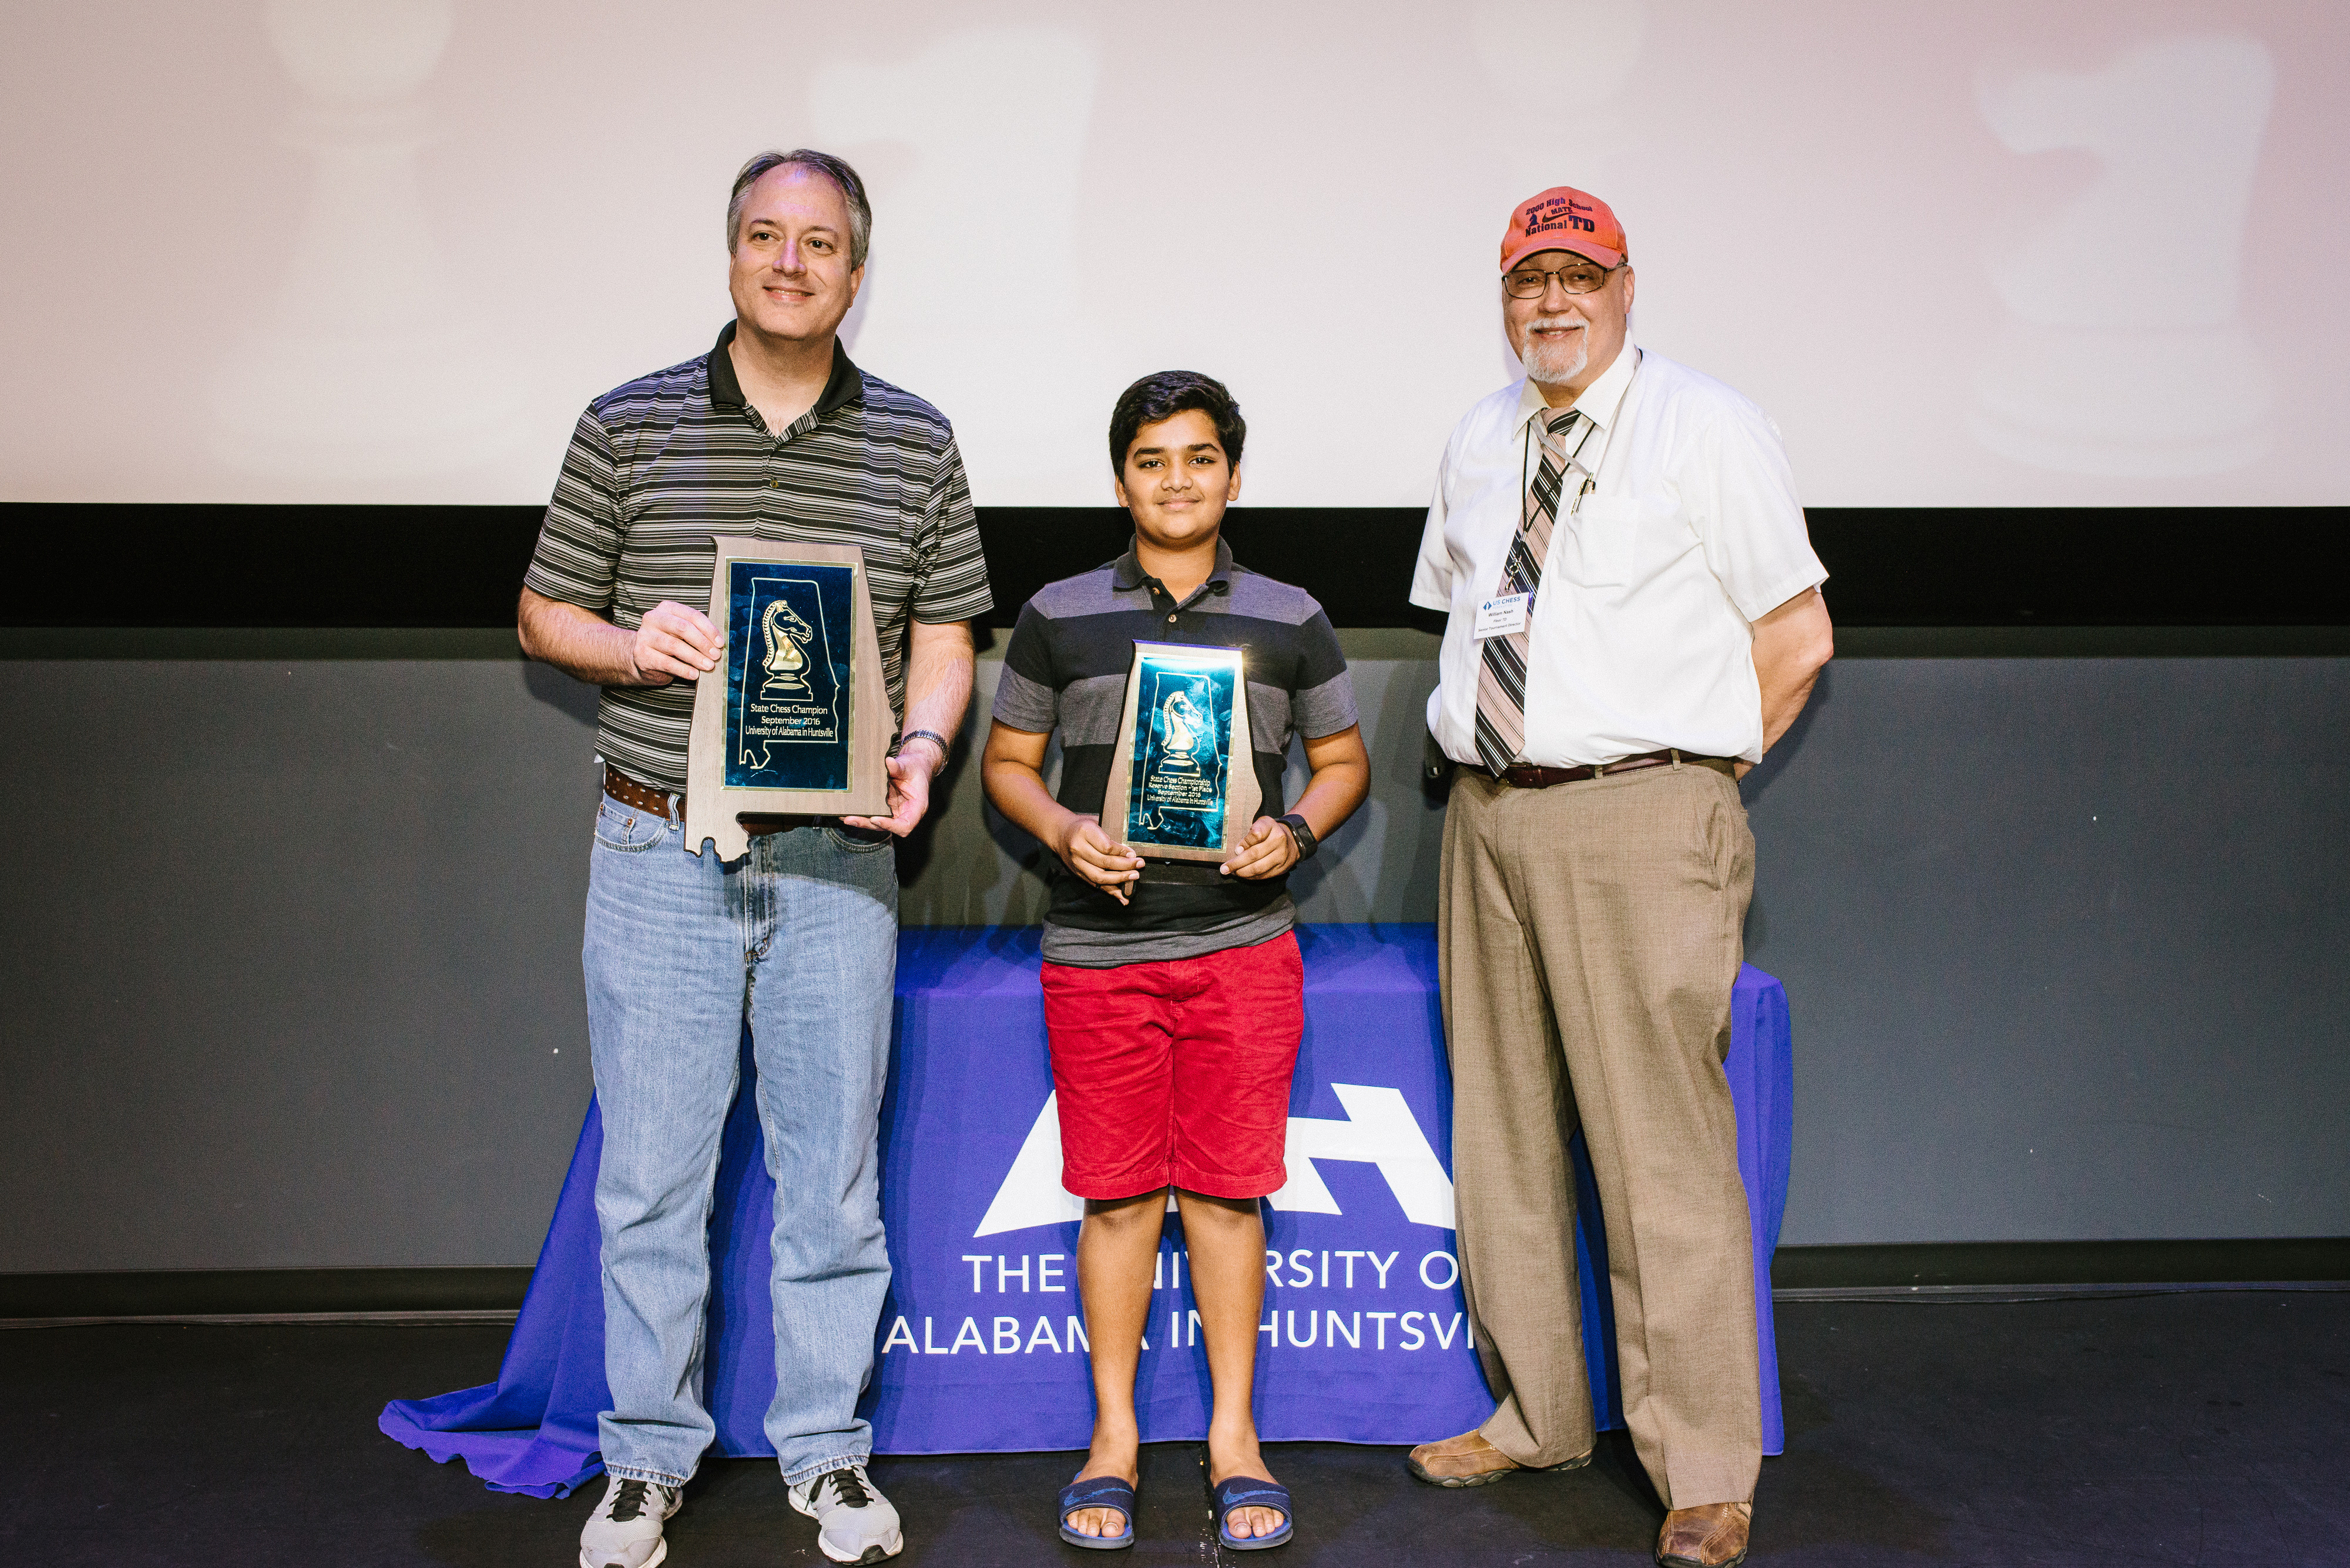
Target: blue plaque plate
{"points": [[787, 674], [1178, 782]]}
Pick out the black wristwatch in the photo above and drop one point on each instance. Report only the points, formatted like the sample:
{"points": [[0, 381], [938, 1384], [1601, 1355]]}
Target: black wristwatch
{"points": [[1306, 842]]}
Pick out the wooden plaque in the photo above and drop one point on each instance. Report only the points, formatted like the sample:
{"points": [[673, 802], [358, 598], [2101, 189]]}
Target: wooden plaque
{"points": [[795, 720], [1183, 784]]}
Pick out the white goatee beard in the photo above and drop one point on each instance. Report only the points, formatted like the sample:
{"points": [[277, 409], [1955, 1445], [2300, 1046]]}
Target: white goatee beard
{"points": [[1554, 364]]}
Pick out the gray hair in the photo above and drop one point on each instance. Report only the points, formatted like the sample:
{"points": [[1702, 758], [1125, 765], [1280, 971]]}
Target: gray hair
{"points": [[836, 169]]}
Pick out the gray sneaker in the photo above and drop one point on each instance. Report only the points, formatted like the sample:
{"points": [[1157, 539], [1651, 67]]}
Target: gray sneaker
{"points": [[625, 1530], [855, 1523]]}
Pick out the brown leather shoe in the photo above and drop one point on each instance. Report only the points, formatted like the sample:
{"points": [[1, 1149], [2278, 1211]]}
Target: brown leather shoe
{"points": [[1470, 1460], [1711, 1535]]}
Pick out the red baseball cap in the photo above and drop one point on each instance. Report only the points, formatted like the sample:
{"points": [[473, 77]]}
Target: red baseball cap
{"points": [[1564, 219]]}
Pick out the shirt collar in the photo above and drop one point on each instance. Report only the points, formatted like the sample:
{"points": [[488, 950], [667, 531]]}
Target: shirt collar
{"points": [[1127, 571], [845, 385], [1599, 401]]}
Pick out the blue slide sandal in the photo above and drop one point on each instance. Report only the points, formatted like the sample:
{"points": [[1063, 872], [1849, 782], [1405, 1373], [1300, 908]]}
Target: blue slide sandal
{"points": [[1102, 1492], [1247, 1491]]}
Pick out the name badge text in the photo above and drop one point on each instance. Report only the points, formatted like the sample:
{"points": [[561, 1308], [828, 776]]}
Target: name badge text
{"points": [[1502, 615]]}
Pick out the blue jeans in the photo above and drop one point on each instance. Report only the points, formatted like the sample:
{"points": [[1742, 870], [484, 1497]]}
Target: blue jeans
{"points": [[800, 936]]}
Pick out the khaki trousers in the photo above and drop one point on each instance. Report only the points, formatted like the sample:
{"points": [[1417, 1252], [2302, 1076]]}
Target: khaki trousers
{"points": [[1590, 934]]}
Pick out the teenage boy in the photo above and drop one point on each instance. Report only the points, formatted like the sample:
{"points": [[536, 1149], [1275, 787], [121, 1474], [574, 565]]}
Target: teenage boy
{"points": [[1174, 995]]}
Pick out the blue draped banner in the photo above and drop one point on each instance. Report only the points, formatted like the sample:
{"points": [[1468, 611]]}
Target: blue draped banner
{"points": [[982, 1345]]}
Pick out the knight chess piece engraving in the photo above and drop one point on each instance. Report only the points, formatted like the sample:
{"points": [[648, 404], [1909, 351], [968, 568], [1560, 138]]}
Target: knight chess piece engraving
{"points": [[1184, 785], [795, 720], [786, 658]]}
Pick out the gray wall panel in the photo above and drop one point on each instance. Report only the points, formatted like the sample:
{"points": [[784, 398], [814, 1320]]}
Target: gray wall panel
{"points": [[292, 973], [2065, 949], [293, 963]]}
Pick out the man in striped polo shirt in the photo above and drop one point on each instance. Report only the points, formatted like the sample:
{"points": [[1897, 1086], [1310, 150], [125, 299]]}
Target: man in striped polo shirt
{"points": [[776, 435]]}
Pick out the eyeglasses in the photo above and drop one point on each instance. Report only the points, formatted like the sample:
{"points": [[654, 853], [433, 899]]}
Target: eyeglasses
{"points": [[1575, 277]]}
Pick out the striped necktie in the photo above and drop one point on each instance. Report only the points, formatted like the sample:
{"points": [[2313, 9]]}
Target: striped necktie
{"points": [[1501, 675]]}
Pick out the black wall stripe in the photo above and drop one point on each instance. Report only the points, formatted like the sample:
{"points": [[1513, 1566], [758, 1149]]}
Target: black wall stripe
{"points": [[249, 1291], [88, 565]]}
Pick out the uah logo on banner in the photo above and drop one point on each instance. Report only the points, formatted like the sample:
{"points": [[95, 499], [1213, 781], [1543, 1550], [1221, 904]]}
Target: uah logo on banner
{"points": [[1378, 1129]]}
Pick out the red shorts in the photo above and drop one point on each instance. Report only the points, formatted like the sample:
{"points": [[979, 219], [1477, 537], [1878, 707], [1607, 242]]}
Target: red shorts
{"points": [[1176, 1074]]}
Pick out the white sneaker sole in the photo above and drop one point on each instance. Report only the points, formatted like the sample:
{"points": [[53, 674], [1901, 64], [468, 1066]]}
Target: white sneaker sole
{"points": [[889, 1546], [881, 1552], [660, 1554]]}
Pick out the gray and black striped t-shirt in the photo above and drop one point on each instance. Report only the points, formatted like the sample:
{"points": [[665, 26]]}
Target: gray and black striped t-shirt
{"points": [[658, 466], [1065, 668]]}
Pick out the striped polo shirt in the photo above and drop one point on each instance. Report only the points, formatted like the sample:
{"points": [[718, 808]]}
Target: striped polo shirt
{"points": [[1067, 667], [658, 466]]}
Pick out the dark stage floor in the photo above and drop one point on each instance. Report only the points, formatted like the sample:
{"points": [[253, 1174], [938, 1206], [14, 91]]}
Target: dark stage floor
{"points": [[2209, 1429]]}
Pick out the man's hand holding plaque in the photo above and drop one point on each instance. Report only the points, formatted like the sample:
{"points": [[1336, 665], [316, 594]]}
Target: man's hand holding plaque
{"points": [[673, 642]]}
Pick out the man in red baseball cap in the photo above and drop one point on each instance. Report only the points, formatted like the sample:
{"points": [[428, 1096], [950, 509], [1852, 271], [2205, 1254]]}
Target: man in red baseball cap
{"points": [[1563, 218], [1581, 338], [1634, 618]]}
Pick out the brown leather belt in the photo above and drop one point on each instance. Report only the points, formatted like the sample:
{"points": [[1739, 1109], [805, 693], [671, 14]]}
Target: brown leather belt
{"points": [[645, 797], [1525, 775]]}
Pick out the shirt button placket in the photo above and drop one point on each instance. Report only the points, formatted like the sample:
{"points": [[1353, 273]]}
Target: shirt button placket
{"points": [[771, 513], [775, 438]]}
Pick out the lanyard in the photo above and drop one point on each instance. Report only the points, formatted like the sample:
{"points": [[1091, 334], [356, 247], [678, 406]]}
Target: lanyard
{"points": [[1574, 458]]}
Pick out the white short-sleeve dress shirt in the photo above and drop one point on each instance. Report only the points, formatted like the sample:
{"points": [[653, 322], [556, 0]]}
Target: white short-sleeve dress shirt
{"points": [[1642, 635]]}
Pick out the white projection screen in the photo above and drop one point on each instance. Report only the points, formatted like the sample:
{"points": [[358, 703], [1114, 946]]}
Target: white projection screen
{"points": [[2010, 252]]}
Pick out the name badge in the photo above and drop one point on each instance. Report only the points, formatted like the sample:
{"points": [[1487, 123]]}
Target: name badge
{"points": [[1502, 615]]}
